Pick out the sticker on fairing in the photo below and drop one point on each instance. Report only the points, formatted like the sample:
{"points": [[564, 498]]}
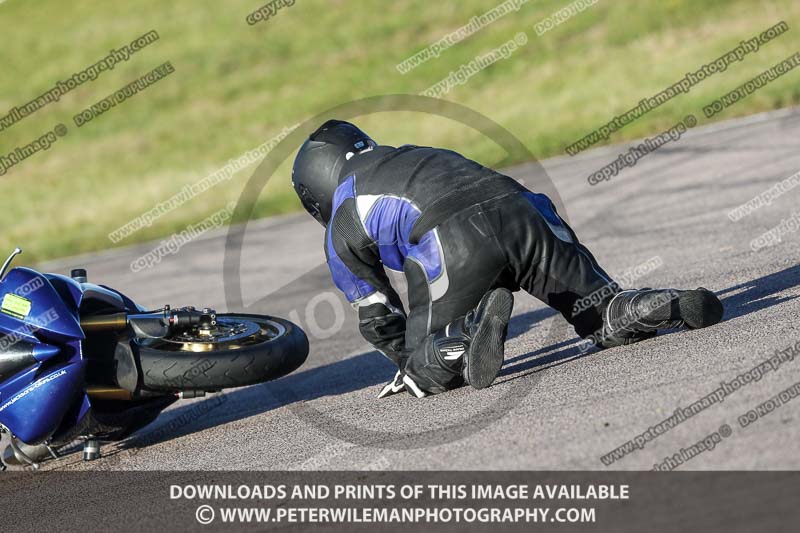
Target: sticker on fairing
{"points": [[16, 306]]}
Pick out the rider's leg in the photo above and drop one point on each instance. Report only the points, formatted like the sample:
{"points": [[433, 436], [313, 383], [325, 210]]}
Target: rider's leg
{"points": [[469, 349], [549, 262], [632, 313], [458, 316]]}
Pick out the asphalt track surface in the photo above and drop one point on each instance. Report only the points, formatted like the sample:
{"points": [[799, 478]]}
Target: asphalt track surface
{"points": [[551, 408]]}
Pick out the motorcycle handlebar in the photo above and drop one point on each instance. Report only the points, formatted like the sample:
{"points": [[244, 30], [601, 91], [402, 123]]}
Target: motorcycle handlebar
{"points": [[153, 323]]}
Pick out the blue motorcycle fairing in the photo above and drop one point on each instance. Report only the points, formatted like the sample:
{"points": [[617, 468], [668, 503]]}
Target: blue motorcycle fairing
{"points": [[43, 351], [98, 293], [41, 310], [48, 316], [46, 400], [74, 289], [130, 305], [80, 292], [72, 419], [32, 405]]}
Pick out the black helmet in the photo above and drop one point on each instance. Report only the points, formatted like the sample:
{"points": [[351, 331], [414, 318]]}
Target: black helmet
{"points": [[316, 169]]}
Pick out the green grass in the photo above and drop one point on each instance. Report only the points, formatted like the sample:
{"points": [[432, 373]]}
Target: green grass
{"points": [[236, 86]]}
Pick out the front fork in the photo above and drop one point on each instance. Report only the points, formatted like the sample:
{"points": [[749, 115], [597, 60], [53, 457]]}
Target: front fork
{"points": [[155, 324]]}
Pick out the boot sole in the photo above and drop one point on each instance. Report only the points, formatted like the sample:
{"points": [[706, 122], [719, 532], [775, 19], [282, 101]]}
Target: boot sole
{"points": [[700, 308], [487, 348]]}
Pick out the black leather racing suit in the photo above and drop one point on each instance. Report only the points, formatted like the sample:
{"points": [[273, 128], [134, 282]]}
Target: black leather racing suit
{"points": [[456, 229]]}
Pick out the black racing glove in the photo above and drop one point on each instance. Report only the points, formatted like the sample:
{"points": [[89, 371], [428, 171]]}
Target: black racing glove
{"points": [[385, 329]]}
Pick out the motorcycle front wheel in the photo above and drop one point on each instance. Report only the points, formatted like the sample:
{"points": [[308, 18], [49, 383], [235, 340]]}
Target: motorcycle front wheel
{"points": [[239, 350]]}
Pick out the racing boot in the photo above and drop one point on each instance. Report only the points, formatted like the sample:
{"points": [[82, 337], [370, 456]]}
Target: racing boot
{"points": [[487, 326], [637, 314], [468, 349]]}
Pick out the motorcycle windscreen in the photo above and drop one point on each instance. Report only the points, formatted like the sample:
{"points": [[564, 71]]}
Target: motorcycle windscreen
{"points": [[29, 304]]}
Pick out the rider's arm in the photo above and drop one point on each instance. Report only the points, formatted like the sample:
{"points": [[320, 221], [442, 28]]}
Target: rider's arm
{"points": [[357, 271]]}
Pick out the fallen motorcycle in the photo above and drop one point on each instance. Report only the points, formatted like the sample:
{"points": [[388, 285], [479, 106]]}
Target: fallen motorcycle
{"points": [[83, 362]]}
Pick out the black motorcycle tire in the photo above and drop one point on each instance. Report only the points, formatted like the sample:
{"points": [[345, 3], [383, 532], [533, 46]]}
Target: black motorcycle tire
{"points": [[221, 367]]}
